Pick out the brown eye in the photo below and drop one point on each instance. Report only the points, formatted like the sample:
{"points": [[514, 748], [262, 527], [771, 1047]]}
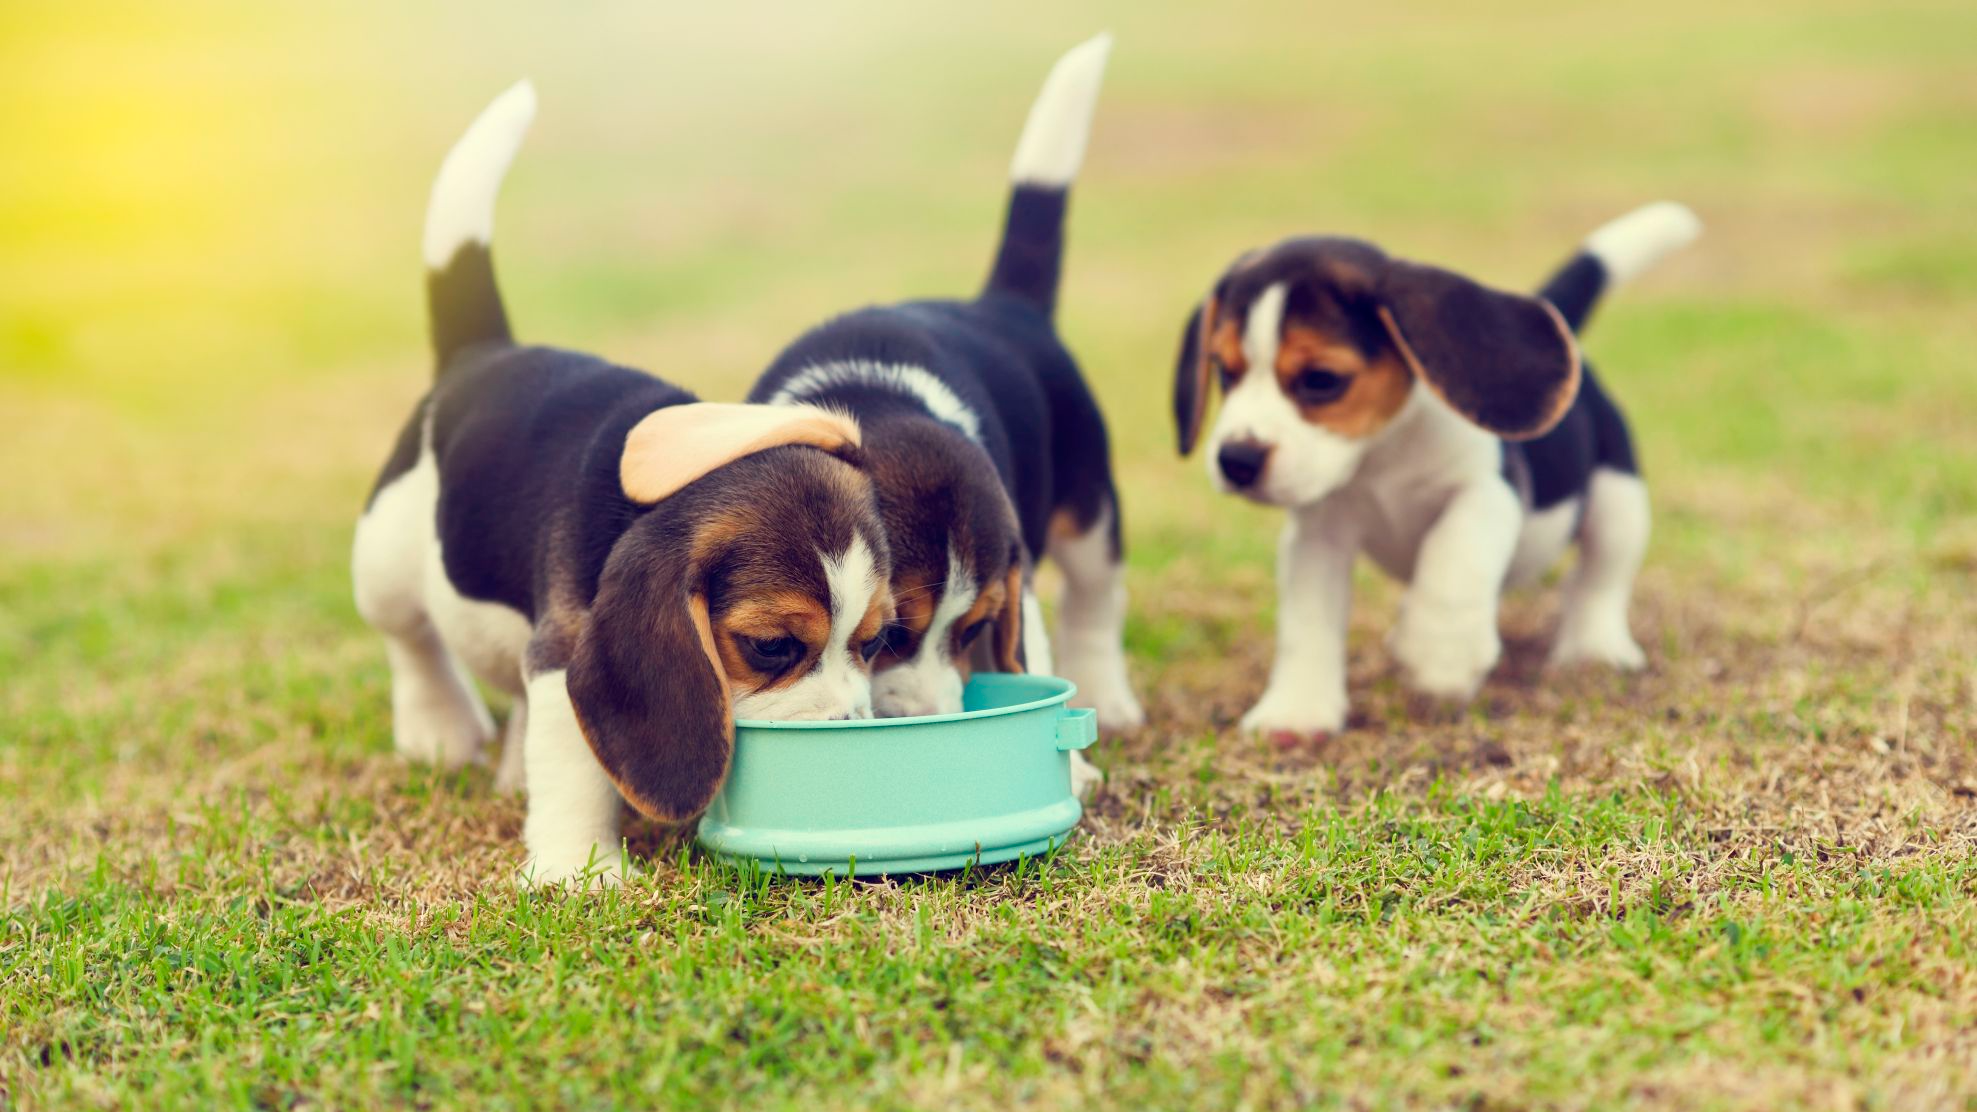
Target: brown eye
{"points": [[770, 655], [1317, 386], [893, 638], [968, 635]]}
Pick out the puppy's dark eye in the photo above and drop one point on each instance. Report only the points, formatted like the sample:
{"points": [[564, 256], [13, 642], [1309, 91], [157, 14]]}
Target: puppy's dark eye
{"points": [[771, 654], [871, 648], [968, 635], [1316, 386], [894, 638]]}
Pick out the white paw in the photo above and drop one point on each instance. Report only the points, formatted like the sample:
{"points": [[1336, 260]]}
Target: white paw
{"points": [[1292, 714], [432, 727], [1611, 646], [1445, 656], [595, 865], [1085, 777], [1104, 687]]}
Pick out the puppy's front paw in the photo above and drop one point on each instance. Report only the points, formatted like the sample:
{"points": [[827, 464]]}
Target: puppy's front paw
{"points": [[1445, 656], [1291, 715], [593, 865], [1085, 777], [1611, 646]]}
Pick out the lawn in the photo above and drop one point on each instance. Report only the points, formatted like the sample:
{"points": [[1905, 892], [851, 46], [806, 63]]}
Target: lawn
{"points": [[1743, 879]]}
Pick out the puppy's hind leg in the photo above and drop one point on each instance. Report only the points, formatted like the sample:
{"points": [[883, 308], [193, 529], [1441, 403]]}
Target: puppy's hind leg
{"points": [[436, 715], [511, 775], [1091, 622], [1612, 540]]}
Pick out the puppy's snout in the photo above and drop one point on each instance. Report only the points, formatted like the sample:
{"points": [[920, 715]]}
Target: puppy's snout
{"points": [[1242, 461]]}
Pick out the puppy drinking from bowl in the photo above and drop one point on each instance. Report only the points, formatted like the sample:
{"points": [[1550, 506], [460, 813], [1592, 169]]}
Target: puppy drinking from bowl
{"points": [[987, 450], [634, 567]]}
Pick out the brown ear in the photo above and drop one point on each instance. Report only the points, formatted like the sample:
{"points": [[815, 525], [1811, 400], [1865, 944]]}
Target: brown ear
{"points": [[672, 447], [1192, 381], [1504, 361], [1009, 627], [647, 684]]}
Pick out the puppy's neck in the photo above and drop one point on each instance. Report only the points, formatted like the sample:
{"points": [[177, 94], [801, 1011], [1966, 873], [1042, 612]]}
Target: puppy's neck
{"points": [[1427, 446]]}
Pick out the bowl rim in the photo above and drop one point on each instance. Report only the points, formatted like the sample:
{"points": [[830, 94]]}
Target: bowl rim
{"points": [[1064, 695]]}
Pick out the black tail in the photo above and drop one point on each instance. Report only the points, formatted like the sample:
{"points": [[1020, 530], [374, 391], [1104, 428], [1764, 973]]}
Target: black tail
{"points": [[1047, 159], [1616, 252], [1031, 256], [462, 301], [1576, 288]]}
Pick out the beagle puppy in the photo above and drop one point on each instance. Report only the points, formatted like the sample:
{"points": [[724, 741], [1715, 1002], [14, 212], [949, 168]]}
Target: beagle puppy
{"points": [[634, 567], [1446, 429], [987, 450]]}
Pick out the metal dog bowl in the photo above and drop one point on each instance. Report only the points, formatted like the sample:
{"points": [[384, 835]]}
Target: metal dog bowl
{"points": [[906, 795]]}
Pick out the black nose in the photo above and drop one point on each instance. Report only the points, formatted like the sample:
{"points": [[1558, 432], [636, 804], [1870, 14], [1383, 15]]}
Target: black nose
{"points": [[1242, 461]]}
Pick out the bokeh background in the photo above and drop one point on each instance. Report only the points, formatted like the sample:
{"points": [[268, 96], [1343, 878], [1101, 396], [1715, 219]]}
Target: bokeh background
{"points": [[211, 324]]}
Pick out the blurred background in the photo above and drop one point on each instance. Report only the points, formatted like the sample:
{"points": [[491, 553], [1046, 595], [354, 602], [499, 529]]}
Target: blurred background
{"points": [[211, 315]]}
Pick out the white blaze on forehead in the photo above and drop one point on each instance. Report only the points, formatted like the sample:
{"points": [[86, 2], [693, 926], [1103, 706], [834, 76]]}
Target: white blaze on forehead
{"points": [[928, 682], [1263, 331], [955, 599], [853, 576], [836, 687]]}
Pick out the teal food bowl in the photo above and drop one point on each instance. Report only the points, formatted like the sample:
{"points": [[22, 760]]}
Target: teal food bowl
{"points": [[906, 795]]}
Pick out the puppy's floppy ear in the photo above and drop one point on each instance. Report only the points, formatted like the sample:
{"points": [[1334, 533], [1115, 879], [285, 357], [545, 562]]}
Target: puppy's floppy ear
{"points": [[1504, 361], [672, 447], [1192, 381], [1009, 627], [647, 683]]}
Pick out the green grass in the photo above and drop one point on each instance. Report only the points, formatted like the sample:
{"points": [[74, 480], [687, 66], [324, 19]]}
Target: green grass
{"points": [[1744, 879]]}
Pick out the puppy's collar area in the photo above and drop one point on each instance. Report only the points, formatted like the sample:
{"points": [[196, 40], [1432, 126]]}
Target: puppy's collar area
{"points": [[917, 383]]}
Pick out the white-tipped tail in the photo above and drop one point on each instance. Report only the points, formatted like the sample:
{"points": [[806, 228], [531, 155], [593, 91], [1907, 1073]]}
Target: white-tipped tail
{"points": [[1638, 240], [462, 206], [1053, 143]]}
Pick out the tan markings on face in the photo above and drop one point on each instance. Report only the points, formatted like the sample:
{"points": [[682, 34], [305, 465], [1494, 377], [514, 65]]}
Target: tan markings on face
{"points": [[876, 616], [1225, 344], [766, 616], [720, 529], [1377, 391], [988, 604], [914, 598]]}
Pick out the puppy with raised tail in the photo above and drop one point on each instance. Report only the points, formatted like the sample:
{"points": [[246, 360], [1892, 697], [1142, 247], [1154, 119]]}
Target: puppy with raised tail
{"points": [[636, 568], [987, 449], [1446, 429]]}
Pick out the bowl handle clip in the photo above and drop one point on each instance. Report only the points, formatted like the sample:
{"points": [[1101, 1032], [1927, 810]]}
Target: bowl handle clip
{"points": [[1078, 728]]}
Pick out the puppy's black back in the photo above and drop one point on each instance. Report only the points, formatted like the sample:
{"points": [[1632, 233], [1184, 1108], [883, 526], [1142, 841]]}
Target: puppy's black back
{"points": [[1560, 464], [515, 430], [1002, 360]]}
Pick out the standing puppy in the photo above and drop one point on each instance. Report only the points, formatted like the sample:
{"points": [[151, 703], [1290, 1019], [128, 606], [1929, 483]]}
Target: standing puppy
{"points": [[987, 449], [634, 567], [1445, 428]]}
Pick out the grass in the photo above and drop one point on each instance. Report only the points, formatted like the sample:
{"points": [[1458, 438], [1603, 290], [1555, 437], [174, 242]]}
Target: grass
{"points": [[1743, 879]]}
